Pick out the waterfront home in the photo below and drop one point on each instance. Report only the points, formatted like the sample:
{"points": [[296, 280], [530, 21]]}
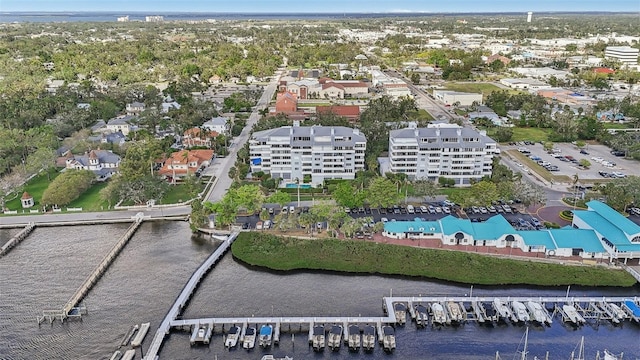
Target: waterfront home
{"points": [[183, 163], [102, 163]]}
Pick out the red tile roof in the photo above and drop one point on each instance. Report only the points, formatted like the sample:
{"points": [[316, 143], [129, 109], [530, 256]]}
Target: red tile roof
{"points": [[185, 157], [602, 70]]}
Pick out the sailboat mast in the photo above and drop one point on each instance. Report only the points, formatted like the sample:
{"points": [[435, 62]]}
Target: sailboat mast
{"points": [[526, 340]]}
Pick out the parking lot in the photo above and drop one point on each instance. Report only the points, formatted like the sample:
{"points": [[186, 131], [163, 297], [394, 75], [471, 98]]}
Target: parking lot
{"points": [[434, 211], [600, 156]]}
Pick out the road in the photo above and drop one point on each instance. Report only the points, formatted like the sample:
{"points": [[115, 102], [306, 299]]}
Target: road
{"points": [[221, 172]]}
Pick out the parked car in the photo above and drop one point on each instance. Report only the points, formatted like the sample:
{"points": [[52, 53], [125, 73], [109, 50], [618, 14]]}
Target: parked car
{"points": [[267, 224], [424, 209], [535, 222], [584, 152], [492, 209], [410, 209], [475, 209], [483, 210], [384, 219], [617, 153]]}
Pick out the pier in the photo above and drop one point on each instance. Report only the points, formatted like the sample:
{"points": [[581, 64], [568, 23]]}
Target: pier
{"points": [[185, 295], [71, 308], [17, 239]]}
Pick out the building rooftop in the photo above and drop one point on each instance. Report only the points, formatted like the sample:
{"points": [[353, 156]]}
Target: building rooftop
{"points": [[313, 135]]}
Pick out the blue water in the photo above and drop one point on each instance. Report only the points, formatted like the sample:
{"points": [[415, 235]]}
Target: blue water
{"points": [[302, 186]]}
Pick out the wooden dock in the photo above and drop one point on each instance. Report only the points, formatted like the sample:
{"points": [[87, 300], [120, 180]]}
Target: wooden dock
{"points": [[71, 308], [185, 295], [17, 239]]}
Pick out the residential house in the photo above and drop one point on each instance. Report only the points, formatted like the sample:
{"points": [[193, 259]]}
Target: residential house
{"points": [[135, 108], [183, 163], [198, 137], [116, 138], [218, 124], [487, 113], [103, 163], [122, 124], [169, 105]]}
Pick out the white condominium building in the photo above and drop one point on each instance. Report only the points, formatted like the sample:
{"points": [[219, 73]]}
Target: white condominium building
{"points": [[322, 152], [441, 150], [626, 55]]}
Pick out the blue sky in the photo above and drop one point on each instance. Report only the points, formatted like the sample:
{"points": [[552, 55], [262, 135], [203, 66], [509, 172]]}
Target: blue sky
{"points": [[327, 6]]}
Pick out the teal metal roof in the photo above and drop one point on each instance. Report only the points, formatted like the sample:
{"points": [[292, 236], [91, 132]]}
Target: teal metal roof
{"points": [[584, 239], [415, 225], [603, 226], [452, 225], [538, 238], [621, 222], [492, 229]]}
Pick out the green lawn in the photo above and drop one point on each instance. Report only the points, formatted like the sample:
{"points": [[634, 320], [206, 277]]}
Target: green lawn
{"points": [[35, 188], [286, 254], [422, 114], [449, 191], [608, 125], [90, 199], [177, 194], [473, 87], [525, 134]]}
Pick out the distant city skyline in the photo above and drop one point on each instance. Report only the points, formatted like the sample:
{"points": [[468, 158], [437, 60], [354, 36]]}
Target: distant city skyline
{"points": [[327, 6]]}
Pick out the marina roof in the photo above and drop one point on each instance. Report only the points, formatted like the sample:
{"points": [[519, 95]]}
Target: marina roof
{"points": [[492, 229], [416, 225], [452, 225], [538, 238], [603, 226], [621, 222], [584, 239]]}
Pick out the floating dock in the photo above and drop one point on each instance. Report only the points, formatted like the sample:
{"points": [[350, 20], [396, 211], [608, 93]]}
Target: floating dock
{"points": [[139, 338], [129, 355], [17, 239]]}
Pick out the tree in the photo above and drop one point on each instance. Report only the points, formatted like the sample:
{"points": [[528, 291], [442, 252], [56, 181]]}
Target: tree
{"points": [[42, 159], [622, 192], [584, 163], [198, 218], [139, 159], [279, 197], [503, 134], [425, 188], [67, 187], [415, 78], [378, 194], [547, 146], [346, 195], [484, 192]]}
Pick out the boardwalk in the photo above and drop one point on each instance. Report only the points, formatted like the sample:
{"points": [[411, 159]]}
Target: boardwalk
{"points": [[185, 295]]}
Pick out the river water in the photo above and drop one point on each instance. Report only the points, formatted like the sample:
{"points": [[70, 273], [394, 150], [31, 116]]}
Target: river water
{"points": [[141, 285]]}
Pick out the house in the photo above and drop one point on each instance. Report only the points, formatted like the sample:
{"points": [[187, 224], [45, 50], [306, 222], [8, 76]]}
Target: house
{"points": [[351, 112], [122, 124], [116, 138], [487, 113], [99, 126], [103, 163], [218, 124], [169, 105], [198, 137], [135, 108], [183, 163]]}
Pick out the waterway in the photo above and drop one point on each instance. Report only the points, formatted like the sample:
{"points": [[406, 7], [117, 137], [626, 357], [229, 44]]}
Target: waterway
{"points": [[141, 285]]}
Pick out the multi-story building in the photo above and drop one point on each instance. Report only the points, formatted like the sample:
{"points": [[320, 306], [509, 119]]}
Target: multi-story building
{"points": [[441, 150], [318, 152], [626, 55]]}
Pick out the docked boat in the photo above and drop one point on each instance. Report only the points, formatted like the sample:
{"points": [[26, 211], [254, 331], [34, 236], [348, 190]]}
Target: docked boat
{"points": [[455, 314], [617, 312], [249, 341], [129, 355], [489, 311], [388, 338], [422, 315], [137, 340], [520, 311], [116, 355], [369, 338], [318, 341], [335, 337], [232, 337], [266, 334], [400, 311], [607, 355], [439, 316], [632, 308], [502, 309], [572, 314], [538, 313], [127, 337], [354, 337], [271, 357]]}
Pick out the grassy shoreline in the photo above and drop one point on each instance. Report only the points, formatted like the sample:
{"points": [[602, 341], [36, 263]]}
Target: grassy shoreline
{"points": [[286, 254]]}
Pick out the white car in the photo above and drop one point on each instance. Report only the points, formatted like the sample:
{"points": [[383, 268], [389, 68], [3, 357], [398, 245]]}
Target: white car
{"points": [[267, 224], [597, 159], [424, 209], [446, 210], [411, 209], [384, 219]]}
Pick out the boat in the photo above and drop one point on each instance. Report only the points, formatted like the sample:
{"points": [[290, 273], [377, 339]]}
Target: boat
{"points": [[422, 315], [137, 340], [439, 316], [318, 338], [400, 311], [249, 341], [538, 313], [388, 338], [369, 338], [354, 337], [572, 314], [489, 311], [607, 355], [232, 337], [617, 312], [502, 309], [266, 333], [520, 311], [127, 337], [271, 357], [632, 308], [129, 355], [335, 337], [116, 355], [454, 311]]}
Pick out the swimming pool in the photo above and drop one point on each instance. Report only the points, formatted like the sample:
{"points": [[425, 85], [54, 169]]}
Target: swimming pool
{"points": [[302, 186]]}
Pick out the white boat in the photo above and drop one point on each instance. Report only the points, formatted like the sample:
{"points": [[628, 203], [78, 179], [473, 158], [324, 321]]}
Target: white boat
{"points": [[573, 314], [422, 315], [318, 340], [439, 316], [400, 311], [369, 338], [249, 341], [232, 337], [266, 333], [335, 337], [116, 355], [454, 311], [271, 357], [617, 311], [354, 337], [520, 311], [137, 340], [538, 313], [607, 355], [129, 355], [502, 309], [388, 338]]}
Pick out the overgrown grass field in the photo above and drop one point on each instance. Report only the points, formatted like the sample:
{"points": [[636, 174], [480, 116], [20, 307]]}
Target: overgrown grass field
{"points": [[280, 253]]}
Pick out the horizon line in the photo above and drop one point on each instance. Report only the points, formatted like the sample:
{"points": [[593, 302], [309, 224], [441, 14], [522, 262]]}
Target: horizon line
{"points": [[315, 12]]}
